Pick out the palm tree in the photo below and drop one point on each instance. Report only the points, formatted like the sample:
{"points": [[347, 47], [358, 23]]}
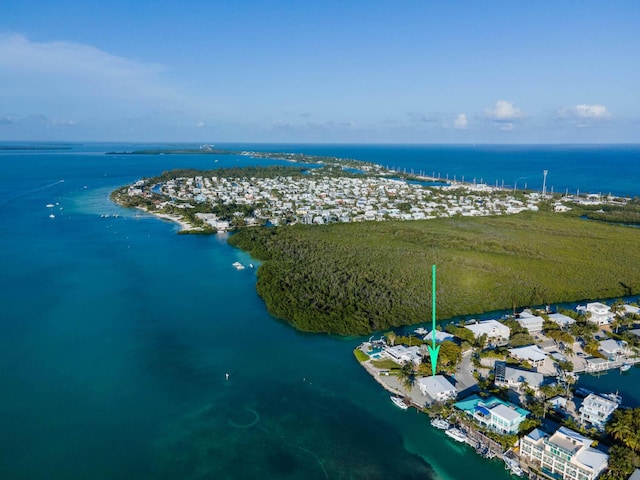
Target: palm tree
{"points": [[407, 375], [391, 336]]}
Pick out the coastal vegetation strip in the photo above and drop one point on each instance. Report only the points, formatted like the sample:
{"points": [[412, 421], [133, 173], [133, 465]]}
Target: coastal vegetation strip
{"points": [[358, 278]]}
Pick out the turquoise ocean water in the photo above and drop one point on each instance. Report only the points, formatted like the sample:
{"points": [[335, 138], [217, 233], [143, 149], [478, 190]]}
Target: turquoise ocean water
{"points": [[116, 333]]}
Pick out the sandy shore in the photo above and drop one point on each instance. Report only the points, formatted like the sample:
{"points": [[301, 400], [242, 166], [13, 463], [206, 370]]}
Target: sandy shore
{"points": [[184, 226]]}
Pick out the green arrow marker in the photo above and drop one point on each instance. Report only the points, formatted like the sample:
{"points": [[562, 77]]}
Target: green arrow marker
{"points": [[433, 350]]}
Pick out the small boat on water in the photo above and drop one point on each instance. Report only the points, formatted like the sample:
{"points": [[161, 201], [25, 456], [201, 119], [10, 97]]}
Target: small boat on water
{"points": [[398, 402], [421, 331], [456, 434], [238, 266], [440, 423], [52, 216], [49, 205], [624, 367], [513, 465]]}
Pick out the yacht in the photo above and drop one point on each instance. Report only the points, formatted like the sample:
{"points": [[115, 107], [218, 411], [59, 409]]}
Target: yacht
{"points": [[456, 434], [440, 423], [238, 266], [421, 331], [398, 402], [624, 367]]}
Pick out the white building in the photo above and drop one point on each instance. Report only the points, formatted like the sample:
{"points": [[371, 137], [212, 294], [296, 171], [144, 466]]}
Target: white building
{"points": [[565, 454], [493, 329], [597, 410], [531, 322], [532, 354], [516, 378], [402, 354], [440, 336], [493, 413], [437, 387], [562, 320], [597, 313], [613, 348]]}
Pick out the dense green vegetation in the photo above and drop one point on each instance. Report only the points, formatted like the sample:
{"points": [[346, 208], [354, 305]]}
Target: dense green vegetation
{"points": [[359, 278], [624, 428], [628, 213]]}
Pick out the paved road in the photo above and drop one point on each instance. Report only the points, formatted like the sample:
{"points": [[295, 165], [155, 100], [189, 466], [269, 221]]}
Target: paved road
{"points": [[464, 375]]}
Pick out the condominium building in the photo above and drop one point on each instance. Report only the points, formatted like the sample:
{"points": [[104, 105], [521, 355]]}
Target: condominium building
{"points": [[564, 455]]}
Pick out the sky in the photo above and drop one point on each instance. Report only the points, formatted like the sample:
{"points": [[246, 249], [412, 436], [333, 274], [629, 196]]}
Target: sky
{"points": [[323, 71]]}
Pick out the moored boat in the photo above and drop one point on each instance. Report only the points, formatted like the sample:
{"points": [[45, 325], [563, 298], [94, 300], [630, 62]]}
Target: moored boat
{"points": [[238, 265], [624, 367], [440, 423], [456, 434], [398, 402]]}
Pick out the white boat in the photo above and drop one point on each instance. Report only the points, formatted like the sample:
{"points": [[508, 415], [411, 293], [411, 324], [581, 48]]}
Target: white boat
{"points": [[52, 216], [238, 266], [421, 331], [440, 423], [49, 205], [624, 367], [398, 402], [512, 464], [456, 434]]}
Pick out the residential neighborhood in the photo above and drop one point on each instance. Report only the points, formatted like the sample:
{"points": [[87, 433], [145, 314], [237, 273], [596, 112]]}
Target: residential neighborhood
{"points": [[317, 198], [518, 402]]}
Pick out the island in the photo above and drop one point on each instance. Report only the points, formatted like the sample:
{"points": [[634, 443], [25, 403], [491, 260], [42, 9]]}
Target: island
{"points": [[348, 252]]}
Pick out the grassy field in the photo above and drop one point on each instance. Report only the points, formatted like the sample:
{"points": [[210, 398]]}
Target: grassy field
{"points": [[359, 278]]}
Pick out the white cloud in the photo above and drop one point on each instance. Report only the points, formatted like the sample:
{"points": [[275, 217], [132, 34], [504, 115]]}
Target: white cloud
{"points": [[200, 124], [461, 121], [506, 127], [503, 111], [64, 79], [584, 111]]}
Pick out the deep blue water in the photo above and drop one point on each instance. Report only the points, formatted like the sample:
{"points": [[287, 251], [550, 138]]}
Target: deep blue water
{"points": [[116, 335]]}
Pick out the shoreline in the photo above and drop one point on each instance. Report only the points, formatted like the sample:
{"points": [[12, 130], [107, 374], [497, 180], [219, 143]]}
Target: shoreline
{"points": [[184, 226]]}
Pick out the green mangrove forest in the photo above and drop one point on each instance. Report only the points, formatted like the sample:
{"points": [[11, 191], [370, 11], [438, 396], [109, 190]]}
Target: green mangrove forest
{"points": [[356, 278]]}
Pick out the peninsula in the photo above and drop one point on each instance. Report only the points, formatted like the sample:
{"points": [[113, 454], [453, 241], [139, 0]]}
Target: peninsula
{"points": [[348, 251]]}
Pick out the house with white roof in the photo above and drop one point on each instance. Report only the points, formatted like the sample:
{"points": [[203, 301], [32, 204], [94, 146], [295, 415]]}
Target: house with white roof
{"points": [[494, 330], [596, 364], [531, 353], [440, 336], [516, 378], [532, 323], [597, 313], [613, 348], [597, 410], [562, 320], [564, 455], [402, 354], [493, 413], [437, 387]]}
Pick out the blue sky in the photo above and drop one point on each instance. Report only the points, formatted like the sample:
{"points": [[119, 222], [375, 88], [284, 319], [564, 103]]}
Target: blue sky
{"points": [[325, 71]]}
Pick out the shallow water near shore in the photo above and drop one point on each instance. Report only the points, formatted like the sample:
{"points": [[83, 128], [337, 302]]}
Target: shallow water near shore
{"points": [[117, 335]]}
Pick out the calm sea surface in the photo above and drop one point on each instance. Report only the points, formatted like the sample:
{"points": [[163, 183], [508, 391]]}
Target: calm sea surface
{"points": [[116, 333]]}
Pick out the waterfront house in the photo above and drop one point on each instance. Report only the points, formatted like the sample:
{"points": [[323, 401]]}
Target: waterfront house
{"points": [[495, 331], [597, 313], [563, 320], [613, 349], [531, 353], [596, 364], [597, 410], [532, 323], [437, 387], [402, 354], [493, 413], [516, 378], [440, 336], [564, 455]]}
